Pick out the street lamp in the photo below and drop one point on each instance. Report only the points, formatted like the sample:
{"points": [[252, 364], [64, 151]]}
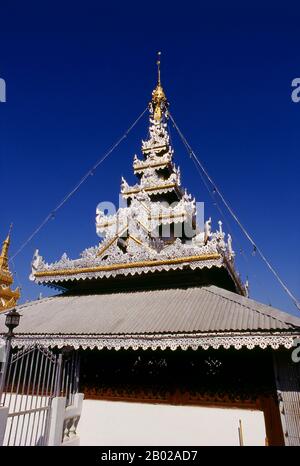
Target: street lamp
{"points": [[12, 321]]}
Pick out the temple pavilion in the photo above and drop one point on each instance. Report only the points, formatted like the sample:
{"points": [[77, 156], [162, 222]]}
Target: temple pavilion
{"points": [[159, 314]]}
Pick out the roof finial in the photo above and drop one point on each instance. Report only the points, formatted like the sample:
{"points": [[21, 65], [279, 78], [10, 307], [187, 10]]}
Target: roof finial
{"points": [[7, 240], [158, 67], [10, 230], [159, 101]]}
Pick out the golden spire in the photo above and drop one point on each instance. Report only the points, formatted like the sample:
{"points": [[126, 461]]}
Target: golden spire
{"points": [[159, 100], [4, 252], [8, 297]]}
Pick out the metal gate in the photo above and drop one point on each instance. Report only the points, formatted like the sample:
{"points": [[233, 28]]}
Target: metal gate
{"points": [[35, 375]]}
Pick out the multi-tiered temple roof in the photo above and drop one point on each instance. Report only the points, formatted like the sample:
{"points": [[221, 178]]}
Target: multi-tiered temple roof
{"points": [[156, 232]]}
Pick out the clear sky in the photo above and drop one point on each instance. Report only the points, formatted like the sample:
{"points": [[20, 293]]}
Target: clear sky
{"points": [[79, 73]]}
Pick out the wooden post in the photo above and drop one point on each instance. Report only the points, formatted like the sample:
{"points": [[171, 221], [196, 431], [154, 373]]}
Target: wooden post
{"points": [[241, 437]]}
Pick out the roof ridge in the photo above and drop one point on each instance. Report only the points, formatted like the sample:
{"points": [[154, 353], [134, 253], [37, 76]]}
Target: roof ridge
{"points": [[30, 303]]}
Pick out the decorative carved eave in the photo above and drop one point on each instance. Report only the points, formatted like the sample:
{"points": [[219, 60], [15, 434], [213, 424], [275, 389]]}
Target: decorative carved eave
{"points": [[126, 268], [154, 162], [152, 184], [139, 256], [9, 298], [6, 277], [225, 340], [7, 293], [162, 188], [156, 148]]}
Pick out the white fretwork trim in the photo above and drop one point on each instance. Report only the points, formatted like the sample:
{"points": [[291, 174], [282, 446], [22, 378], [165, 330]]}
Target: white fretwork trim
{"points": [[159, 137], [160, 341], [136, 253], [131, 271]]}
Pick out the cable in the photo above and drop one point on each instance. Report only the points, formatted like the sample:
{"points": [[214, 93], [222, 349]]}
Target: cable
{"points": [[218, 207], [15, 273], [215, 189], [51, 215]]}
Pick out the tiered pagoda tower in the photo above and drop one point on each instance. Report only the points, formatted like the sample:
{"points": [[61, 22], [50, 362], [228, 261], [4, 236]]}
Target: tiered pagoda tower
{"points": [[8, 297], [155, 238]]}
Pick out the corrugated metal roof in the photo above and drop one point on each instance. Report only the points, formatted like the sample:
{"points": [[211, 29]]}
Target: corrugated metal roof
{"points": [[192, 310]]}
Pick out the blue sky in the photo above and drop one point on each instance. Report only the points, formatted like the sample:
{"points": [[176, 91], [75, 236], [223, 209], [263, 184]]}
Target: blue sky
{"points": [[79, 73]]}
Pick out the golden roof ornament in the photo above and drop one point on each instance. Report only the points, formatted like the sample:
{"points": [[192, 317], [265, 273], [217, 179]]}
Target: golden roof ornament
{"points": [[159, 100], [4, 252], [8, 297]]}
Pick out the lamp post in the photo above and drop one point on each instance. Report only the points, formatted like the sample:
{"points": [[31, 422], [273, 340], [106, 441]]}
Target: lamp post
{"points": [[12, 321]]}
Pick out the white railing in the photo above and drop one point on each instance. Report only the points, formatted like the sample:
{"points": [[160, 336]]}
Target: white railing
{"points": [[63, 421]]}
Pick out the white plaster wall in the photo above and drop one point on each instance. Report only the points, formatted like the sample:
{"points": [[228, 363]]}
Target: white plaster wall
{"points": [[121, 423]]}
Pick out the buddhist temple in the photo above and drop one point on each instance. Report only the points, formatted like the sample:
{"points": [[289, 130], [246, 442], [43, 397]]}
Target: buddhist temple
{"points": [[162, 322], [8, 297]]}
